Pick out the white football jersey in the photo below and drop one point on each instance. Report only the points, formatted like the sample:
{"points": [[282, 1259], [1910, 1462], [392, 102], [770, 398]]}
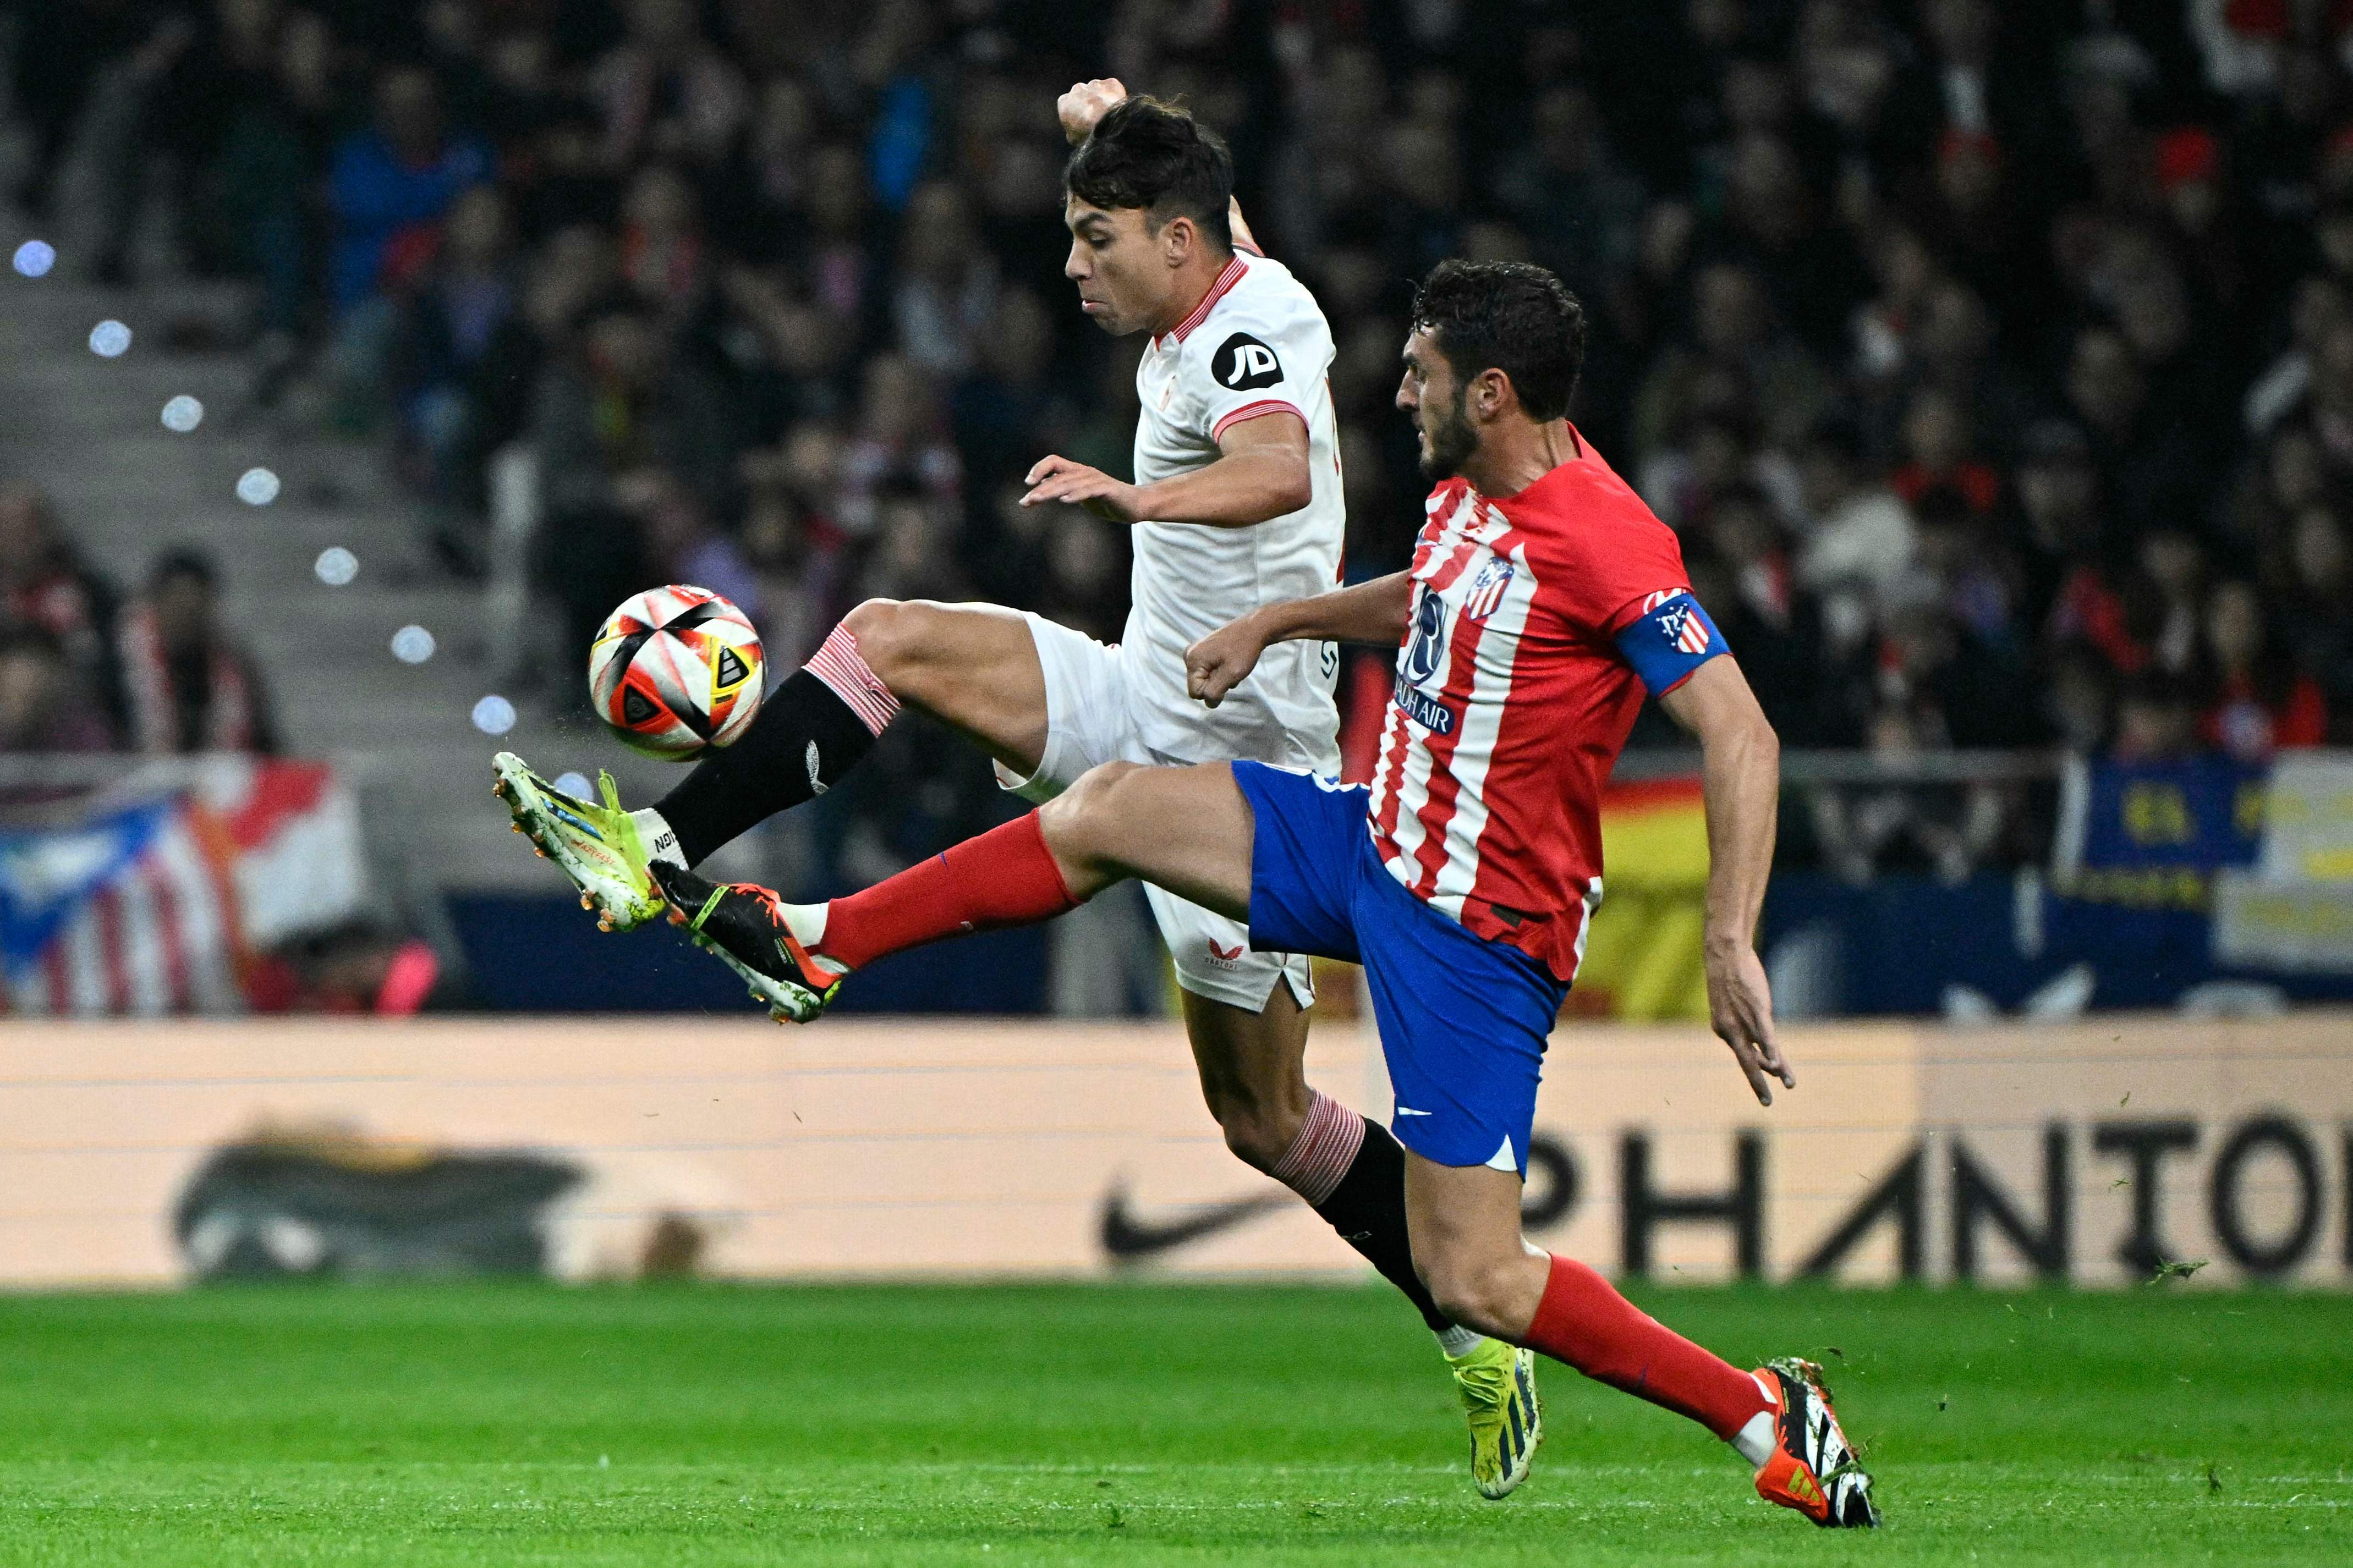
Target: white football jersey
{"points": [[1257, 343]]}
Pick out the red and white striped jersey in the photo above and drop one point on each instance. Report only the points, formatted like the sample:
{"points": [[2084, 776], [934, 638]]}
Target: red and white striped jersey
{"points": [[1516, 683]]}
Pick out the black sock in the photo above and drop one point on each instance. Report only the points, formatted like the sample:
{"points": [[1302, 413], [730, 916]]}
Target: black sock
{"points": [[1367, 1208], [803, 739]]}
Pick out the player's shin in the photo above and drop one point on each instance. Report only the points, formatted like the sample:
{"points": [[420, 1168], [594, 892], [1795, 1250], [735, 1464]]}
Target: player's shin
{"points": [[1006, 877], [1351, 1171], [810, 731]]}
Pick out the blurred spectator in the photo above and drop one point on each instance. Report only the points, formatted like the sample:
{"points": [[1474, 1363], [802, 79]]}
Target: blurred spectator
{"points": [[1858, 538], [663, 255], [2259, 699], [44, 586], [1749, 584], [947, 288], [266, 137], [459, 346], [1570, 195], [682, 544], [2079, 698], [665, 92], [358, 969], [192, 687], [392, 183], [2150, 467], [620, 399], [43, 707], [2157, 719]]}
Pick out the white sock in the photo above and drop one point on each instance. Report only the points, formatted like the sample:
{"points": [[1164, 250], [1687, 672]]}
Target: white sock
{"points": [[1755, 1440], [809, 923], [1458, 1341], [660, 843]]}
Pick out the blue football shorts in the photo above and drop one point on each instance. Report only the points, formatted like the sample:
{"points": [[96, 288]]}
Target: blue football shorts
{"points": [[1462, 1020]]}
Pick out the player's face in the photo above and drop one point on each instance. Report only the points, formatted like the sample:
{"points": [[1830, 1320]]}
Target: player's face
{"points": [[1431, 395], [1124, 279]]}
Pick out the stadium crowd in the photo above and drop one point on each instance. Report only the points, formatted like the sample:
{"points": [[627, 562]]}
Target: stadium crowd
{"points": [[81, 671], [1993, 362]]}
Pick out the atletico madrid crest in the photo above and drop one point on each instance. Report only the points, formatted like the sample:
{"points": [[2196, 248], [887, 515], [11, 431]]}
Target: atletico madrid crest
{"points": [[1678, 619], [1488, 588]]}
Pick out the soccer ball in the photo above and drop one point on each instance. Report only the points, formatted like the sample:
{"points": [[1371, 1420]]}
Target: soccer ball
{"points": [[675, 671]]}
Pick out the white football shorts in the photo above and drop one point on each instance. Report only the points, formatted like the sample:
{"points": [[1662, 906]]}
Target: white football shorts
{"points": [[1088, 722]]}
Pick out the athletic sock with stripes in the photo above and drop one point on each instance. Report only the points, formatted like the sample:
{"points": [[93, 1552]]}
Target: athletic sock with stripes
{"points": [[810, 731], [1351, 1172]]}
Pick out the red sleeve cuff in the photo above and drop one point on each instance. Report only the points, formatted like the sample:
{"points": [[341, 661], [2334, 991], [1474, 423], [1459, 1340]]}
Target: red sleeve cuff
{"points": [[1258, 410]]}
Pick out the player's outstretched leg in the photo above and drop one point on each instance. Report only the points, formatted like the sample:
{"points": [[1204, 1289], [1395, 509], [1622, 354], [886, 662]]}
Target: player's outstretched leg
{"points": [[971, 665], [1466, 1238], [1188, 826]]}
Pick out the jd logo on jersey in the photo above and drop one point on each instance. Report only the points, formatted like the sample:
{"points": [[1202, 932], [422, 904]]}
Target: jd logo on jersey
{"points": [[1243, 362]]}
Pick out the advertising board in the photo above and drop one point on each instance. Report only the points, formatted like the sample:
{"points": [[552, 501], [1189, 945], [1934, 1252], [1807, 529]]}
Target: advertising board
{"points": [[2096, 1151]]}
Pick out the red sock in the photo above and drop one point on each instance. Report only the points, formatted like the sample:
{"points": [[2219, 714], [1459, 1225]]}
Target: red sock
{"points": [[1006, 877], [1584, 1321]]}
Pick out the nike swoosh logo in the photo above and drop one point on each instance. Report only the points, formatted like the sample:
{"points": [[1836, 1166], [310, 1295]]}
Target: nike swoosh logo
{"points": [[1409, 1111], [1128, 1239]]}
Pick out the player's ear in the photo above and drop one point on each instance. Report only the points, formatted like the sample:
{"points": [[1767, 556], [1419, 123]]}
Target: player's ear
{"points": [[1491, 395], [1177, 237]]}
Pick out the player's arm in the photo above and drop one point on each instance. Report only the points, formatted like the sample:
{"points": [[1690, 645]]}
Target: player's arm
{"points": [[1740, 779], [1261, 474], [1372, 612]]}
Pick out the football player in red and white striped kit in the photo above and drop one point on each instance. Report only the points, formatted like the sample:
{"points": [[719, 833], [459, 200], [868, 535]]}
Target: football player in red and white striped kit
{"points": [[1543, 601]]}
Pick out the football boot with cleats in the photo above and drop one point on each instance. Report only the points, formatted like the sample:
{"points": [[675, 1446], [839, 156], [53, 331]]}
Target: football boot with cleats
{"points": [[760, 937]]}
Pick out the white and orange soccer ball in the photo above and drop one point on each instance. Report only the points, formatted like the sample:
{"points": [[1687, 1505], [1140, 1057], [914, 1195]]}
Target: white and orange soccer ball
{"points": [[676, 671]]}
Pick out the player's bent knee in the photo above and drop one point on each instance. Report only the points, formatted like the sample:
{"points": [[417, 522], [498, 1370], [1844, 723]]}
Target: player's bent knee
{"points": [[888, 639], [1252, 1136], [1473, 1292], [1082, 822]]}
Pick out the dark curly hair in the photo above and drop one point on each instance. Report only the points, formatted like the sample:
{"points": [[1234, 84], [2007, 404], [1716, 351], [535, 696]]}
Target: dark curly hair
{"points": [[1510, 316], [1153, 155]]}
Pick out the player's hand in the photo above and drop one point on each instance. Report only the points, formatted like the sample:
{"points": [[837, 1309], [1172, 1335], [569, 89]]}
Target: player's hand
{"points": [[1060, 479], [1223, 659], [1086, 102], [1740, 1010]]}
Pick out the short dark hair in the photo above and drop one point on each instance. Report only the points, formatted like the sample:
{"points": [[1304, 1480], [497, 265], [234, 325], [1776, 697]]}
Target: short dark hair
{"points": [[1512, 316], [1153, 155]]}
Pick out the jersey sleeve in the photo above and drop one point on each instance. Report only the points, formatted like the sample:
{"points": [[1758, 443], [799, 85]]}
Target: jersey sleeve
{"points": [[1629, 589], [1255, 357]]}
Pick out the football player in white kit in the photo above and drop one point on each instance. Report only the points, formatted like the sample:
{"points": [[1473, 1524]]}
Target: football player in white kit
{"points": [[1236, 503]]}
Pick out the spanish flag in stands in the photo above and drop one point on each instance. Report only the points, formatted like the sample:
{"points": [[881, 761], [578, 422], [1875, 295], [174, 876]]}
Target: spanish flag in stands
{"points": [[1642, 955]]}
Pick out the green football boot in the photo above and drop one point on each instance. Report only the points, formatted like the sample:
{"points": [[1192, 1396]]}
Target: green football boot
{"points": [[599, 847], [1498, 1385]]}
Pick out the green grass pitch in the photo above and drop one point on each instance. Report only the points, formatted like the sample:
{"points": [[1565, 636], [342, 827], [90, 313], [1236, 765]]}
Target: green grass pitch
{"points": [[1147, 1424]]}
